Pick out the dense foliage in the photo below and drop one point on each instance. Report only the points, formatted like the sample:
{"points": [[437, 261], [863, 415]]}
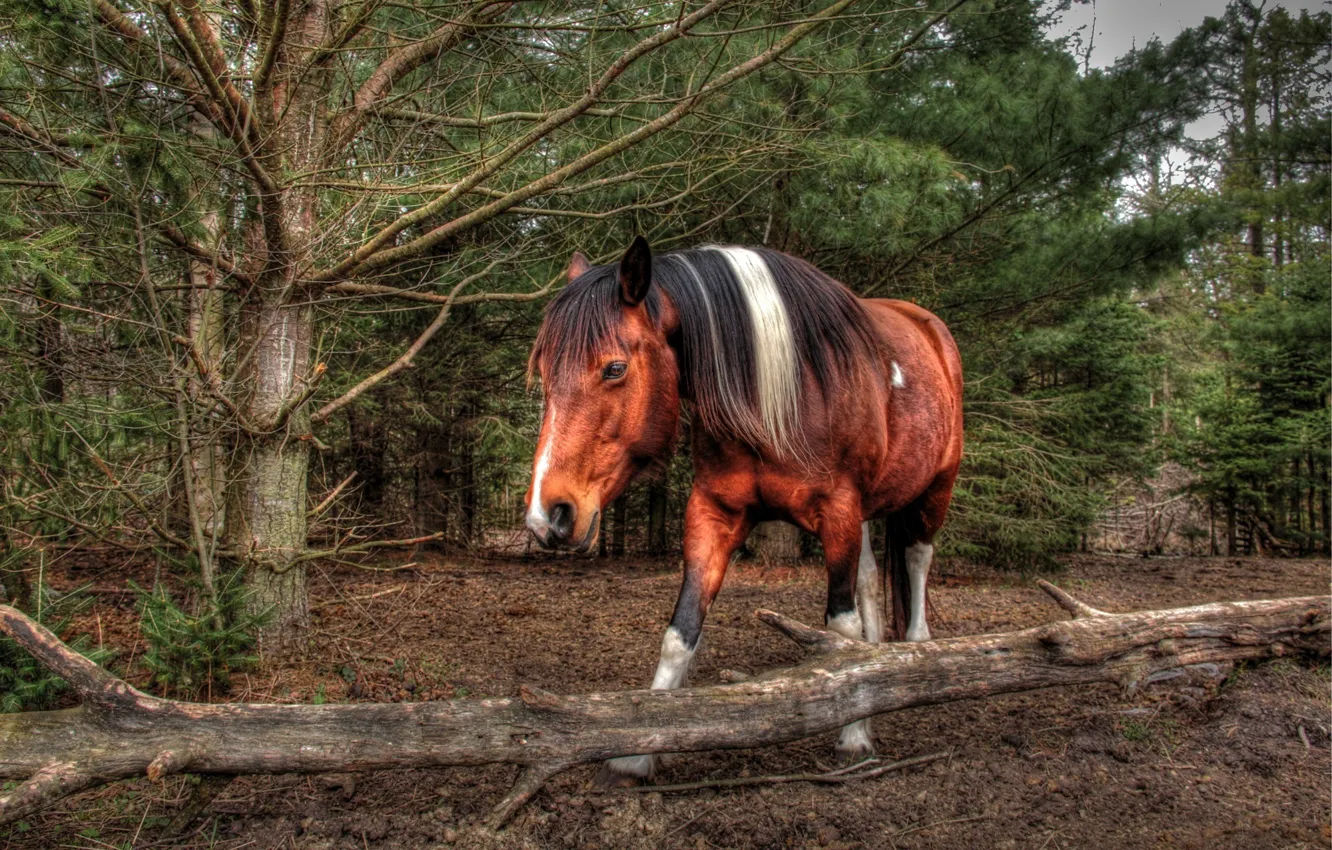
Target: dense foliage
{"points": [[267, 288]]}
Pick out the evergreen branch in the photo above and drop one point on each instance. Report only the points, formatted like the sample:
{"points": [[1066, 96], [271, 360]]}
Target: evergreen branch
{"points": [[229, 123], [206, 43], [349, 30], [294, 403], [374, 254], [483, 122], [175, 236], [153, 525], [263, 73], [377, 244], [328, 500]]}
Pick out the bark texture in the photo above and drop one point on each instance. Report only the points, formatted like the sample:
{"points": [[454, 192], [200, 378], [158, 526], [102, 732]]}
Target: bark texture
{"points": [[120, 732]]}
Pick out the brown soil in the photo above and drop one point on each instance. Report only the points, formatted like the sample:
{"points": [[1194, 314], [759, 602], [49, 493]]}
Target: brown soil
{"points": [[1186, 763]]}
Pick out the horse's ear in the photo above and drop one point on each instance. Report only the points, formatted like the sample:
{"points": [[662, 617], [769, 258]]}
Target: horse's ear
{"points": [[577, 265], [636, 272]]}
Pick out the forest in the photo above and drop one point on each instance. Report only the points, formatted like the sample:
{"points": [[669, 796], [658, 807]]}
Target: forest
{"points": [[270, 273], [248, 324]]}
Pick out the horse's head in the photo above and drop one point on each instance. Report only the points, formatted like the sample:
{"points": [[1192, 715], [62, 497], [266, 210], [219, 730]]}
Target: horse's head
{"points": [[612, 397]]}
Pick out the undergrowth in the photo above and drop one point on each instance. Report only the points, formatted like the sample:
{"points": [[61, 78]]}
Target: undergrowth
{"points": [[190, 654]]}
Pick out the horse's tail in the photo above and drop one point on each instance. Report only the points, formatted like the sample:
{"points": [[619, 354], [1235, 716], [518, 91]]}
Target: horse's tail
{"points": [[899, 582]]}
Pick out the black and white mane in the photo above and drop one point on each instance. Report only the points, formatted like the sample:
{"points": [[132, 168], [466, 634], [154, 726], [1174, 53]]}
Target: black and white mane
{"points": [[756, 326]]}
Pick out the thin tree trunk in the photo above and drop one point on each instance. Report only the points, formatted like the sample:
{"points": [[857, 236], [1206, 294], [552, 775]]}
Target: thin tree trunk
{"points": [[1232, 533], [266, 517], [621, 525], [656, 518], [776, 541]]}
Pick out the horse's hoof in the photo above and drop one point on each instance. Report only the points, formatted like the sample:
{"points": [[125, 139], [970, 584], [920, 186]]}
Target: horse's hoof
{"points": [[855, 754], [608, 778]]}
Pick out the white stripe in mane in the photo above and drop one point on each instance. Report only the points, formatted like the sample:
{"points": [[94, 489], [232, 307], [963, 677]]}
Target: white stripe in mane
{"points": [[776, 360]]}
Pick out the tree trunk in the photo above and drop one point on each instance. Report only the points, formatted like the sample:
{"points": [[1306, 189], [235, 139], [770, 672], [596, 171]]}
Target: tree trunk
{"points": [[621, 525], [1232, 533], [120, 732], [266, 522], [366, 435], [775, 541], [469, 503], [656, 518], [267, 510]]}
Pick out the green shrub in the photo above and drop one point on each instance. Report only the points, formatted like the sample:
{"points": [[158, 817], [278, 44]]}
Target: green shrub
{"points": [[192, 654], [24, 684]]}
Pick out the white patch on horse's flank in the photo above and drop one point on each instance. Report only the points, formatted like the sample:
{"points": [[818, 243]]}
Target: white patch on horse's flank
{"points": [[899, 377], [536, 512], [676, 657], [918, 557], [776, 360]]}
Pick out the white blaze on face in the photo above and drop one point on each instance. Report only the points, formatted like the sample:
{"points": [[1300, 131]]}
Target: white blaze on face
{"points": [[536, 512], [899, 377], [775, 357]]}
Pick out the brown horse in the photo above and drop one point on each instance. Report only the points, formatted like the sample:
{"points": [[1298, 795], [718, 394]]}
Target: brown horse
{"points": [[809, 405]]}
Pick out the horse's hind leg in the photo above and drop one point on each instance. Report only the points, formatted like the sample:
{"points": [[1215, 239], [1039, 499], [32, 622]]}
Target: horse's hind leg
{"points": [[917, 525], [855, 611]]}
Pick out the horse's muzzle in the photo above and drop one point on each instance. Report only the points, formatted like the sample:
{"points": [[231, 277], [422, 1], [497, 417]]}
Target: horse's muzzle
{"points": [[557, 532]]}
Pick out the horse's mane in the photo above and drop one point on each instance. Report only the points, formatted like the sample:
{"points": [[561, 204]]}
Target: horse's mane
{"points": [[757, 327]]}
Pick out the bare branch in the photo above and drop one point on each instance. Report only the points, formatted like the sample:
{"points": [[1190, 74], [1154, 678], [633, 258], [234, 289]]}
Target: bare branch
{"points": [[403, 61], [407, 356], [377, 243], [374, 254]]}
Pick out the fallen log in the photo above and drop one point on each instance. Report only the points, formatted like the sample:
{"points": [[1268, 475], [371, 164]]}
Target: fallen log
{"points": [[119, 732]]}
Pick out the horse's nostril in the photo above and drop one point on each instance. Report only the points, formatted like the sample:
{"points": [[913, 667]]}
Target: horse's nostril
{"points": [[562, 520]]}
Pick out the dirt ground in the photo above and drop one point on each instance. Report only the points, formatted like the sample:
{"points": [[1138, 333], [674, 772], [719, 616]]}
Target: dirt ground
{"points": [[1242, 762]]}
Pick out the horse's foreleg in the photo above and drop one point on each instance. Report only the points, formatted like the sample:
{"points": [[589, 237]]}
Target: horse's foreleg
{"points": [[712, 534], [854, 610]]}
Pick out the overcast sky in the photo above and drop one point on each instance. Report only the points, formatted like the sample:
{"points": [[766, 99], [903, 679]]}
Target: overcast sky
{"points": [[1113, 27]]}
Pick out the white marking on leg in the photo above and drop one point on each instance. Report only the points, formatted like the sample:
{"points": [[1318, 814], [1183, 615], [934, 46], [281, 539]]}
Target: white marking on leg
{"points": [[536, 512], [847, 624], [918, 557], [672, 671], [676, 658], [869, 589], [855, 737], [899, 377], [776, 362]]}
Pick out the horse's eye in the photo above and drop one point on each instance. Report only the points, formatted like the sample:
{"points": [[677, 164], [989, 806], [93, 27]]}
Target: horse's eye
{"points": [[614, 371]]}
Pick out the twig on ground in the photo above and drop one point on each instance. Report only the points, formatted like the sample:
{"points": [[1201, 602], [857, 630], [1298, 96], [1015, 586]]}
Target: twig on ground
{"points": [[832, 777]]}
